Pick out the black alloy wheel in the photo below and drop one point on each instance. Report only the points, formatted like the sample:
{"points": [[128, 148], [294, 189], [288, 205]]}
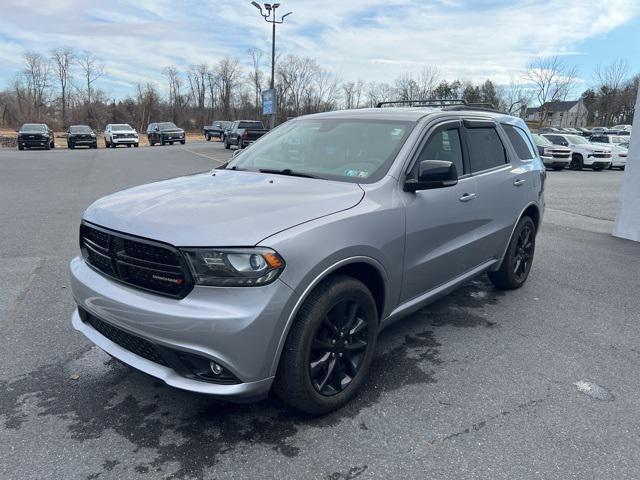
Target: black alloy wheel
{"points": [[338, 348], [576, 162], [521, 261]]}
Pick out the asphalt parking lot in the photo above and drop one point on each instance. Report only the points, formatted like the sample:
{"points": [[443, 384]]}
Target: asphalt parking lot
{"points": [[537, 383]]}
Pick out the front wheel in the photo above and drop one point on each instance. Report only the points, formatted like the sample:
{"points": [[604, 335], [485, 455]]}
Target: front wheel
{"points": [[576, 162], [517, 262], [226, 144], [329, 348], [182, 142], [136, 145]]}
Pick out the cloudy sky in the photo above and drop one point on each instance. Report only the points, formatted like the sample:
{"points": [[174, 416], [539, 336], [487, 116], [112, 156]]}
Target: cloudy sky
{"points": [[366, 39]]}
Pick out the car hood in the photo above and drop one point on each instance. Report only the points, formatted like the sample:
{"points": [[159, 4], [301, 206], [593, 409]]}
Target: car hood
{"points": [[593, 147], [226, 208]]}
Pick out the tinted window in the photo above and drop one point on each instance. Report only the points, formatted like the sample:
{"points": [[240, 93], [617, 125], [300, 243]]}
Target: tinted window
{"points": [[520, 142], [443, 144], [250, 125], [485, 149], [33, 127], [600, 139], [80, 129], [556, 139]]}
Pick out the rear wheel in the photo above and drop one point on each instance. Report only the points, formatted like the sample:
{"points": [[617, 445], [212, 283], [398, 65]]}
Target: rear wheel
{"points": [[576, 162], [516, 263], [329, 348]]}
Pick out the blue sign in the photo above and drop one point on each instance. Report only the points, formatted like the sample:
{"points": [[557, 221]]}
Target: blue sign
{"points": [[268, 102]]}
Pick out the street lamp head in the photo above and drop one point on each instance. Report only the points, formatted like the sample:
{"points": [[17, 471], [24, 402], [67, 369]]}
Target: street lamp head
{"points": [[286, 15], [257, 5], [276, 5], [267, 6]]}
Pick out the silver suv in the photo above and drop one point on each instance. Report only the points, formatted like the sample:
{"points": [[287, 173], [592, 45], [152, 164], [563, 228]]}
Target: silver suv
{"points": [[277, 271]]}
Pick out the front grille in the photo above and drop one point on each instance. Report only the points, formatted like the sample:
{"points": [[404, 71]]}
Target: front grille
{"points": [[141, 263], [134, 344], [123, 135], [602, 155], [560, 153]]}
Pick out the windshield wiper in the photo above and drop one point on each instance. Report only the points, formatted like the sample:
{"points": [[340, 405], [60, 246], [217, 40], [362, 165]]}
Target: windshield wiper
{"points": [[287, 171]]}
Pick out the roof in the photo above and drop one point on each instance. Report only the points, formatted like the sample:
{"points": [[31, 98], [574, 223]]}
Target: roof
{"points": [[559, 106], [409, 114]]}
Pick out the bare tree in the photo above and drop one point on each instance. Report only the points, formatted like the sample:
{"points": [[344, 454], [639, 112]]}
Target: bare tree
{"points": [[610, 80], [63, 59], [552, 80], [514, 96], [352, 93], [228, 75], [37, 74], [296, 76], [175, 97], [91, 70], [256, 75]]}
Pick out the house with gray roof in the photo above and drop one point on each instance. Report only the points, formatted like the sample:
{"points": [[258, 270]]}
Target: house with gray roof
{"points": [[570, 113]]}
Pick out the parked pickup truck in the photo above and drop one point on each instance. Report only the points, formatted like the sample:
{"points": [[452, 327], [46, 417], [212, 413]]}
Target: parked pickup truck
{"points": [[243, 133], [215, 130], [553, 156]]}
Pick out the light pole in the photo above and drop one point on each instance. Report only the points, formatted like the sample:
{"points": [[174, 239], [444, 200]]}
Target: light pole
{"points": [[271, 17]]}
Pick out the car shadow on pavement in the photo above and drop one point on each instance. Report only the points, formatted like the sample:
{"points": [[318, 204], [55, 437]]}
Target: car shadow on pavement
{"points": [[184, 434]]}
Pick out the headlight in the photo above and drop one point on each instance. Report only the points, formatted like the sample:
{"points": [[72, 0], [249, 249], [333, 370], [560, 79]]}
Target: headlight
{"points": [[234, 267], [547, 151], [93, 135]]}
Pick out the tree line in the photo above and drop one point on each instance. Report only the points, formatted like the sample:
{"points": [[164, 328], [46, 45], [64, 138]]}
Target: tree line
{"points": [[61, 89]]}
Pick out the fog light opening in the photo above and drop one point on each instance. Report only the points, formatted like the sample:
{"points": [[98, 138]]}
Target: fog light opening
{"points": [[215, 368]]}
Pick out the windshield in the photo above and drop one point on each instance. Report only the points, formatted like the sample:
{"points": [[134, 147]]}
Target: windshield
{"points": [[616, 139], [122, 127], [80, 129], [358, 151], [577, 140], [33, 127], [541, 141], [167, 126]]}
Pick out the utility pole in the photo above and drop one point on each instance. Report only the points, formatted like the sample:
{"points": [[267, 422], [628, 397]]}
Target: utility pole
{"points": [[269, 97]]}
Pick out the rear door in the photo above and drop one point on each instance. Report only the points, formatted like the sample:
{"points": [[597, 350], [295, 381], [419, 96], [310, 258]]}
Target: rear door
{"points": [[502, 184], [440, 223]]}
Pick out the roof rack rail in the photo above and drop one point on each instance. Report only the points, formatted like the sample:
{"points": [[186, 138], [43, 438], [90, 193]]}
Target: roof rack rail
{"points": [[444, 103]]}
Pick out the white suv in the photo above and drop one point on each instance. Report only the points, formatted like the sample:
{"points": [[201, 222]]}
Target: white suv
{"points": [[120, 134], [584, 154]]}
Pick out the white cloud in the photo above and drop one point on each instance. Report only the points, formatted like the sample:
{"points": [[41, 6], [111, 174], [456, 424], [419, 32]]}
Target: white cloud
{"points": [[372, 40]]}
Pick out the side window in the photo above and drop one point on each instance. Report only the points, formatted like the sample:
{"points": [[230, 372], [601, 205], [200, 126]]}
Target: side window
{"points": [[556, 140], [443, 144], [520, 142], [485, 149]]}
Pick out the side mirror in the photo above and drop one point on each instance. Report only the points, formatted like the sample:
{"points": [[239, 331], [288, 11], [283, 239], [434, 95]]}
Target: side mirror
{"points": [[433, 174]]}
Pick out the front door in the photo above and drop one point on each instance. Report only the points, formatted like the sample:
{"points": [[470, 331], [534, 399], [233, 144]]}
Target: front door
{"points": [[440, 223]]}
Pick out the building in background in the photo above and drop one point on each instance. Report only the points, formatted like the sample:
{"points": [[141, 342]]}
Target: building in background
{"points": [[572, 113]]}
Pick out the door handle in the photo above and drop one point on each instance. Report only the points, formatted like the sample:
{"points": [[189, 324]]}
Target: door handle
{"points": [[519, 182], [467, 197]]}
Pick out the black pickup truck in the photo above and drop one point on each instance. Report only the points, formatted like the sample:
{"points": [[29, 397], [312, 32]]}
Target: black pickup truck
{"points": [[243, 133], [215, 130]]}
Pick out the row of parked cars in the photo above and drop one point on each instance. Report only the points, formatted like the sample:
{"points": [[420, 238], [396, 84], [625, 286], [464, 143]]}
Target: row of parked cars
{"points": [[240, 133], [559, 150], [588, 132], [39, 135]]}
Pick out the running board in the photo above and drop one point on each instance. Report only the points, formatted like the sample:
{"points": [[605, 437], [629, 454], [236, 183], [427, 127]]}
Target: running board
{"points": [[420, 301]]}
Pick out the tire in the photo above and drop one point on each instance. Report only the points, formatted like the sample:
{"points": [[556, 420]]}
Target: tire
{"points": [[136, 145], [208, 137], [170, 143], [512, 274], [71, 147], [558, 168], [162, 142], [20, 147], [182, 142], [48, 147], [53, 144], [128, 145], [337, 378], [576, 162], [151, 142], [226, 144], [95, 145]]}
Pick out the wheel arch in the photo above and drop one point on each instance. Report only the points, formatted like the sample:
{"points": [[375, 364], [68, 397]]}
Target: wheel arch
{"points": [[366, 269], [531, 210]]}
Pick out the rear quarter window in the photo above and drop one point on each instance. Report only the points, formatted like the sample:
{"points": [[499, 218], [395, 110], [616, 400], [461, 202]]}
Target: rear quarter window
{"points": [[520, 141]]}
